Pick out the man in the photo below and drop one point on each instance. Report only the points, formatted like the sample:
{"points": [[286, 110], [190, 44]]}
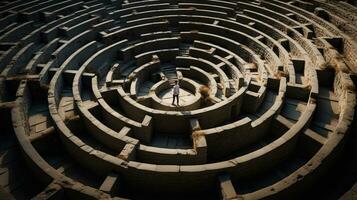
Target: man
{"points": [[175, 92]]}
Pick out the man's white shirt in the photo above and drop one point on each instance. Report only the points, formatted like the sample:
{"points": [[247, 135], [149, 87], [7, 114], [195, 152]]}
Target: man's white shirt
{"points": [[176, 89]]}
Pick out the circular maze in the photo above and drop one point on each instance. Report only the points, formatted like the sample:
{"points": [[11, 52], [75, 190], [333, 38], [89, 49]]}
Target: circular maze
{"points": [[267, 97]]}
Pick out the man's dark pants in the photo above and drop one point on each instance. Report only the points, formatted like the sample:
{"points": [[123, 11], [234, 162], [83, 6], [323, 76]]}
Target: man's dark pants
{"points": [[175, 96]]}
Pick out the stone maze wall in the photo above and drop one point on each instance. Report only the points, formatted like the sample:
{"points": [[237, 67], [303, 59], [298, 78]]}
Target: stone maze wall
{"points": [[85, 97]]}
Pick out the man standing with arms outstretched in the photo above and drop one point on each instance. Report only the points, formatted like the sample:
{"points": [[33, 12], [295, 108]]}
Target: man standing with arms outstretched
{"points": [[176, 93]]}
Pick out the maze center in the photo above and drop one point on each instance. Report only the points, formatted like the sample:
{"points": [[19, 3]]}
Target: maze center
{"points": [[186, 97], [267, 99]]}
